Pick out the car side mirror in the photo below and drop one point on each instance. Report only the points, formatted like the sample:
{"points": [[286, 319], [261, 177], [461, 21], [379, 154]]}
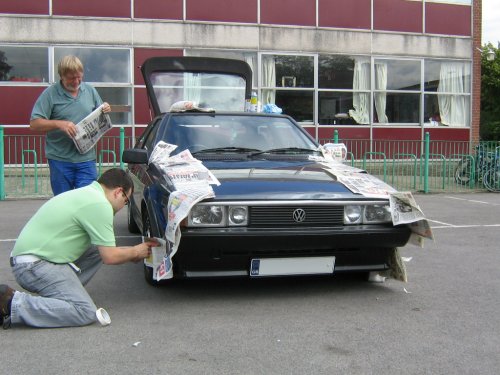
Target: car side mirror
{"points": [[135, 156]]}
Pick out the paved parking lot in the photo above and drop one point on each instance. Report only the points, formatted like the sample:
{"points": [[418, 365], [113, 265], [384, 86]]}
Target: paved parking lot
{"points": [[445, 320]]}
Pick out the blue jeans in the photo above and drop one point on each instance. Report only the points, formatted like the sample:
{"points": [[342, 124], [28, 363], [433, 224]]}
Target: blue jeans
{"points": [[62, 300], [65, 175]]}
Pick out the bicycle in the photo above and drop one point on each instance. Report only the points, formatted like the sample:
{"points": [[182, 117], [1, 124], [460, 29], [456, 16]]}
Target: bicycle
{"points": [[485, 168]]}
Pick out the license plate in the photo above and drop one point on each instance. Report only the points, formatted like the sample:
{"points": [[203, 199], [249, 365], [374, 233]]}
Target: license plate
{"points": [[291, 266]]}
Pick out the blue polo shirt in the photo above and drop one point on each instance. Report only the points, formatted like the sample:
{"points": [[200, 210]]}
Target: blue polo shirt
{"points": [[55, 103]]}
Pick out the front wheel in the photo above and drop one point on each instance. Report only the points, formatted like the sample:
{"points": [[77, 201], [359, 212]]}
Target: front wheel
{"points": [[131, 224], [491, 179]]}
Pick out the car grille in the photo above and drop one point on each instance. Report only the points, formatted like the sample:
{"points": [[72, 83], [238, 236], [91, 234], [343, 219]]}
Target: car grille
{"points": [[285, 216]]}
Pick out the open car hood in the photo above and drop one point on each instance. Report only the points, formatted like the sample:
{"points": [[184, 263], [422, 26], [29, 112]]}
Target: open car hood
{"points": [[212, 82]]}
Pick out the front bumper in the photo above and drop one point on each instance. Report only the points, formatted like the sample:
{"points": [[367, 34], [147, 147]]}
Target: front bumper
{"points": [[356, 248]]}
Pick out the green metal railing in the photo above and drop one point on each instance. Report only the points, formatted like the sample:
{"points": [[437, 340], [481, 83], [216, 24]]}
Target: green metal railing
{"points": [[424, 166], [24, 171]]}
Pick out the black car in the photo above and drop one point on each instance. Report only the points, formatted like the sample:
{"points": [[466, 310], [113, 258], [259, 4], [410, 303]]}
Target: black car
{"points": [[277, 211]]}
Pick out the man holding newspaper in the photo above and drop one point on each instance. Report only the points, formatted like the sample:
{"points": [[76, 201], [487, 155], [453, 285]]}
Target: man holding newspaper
{"points": [[56, 112]]}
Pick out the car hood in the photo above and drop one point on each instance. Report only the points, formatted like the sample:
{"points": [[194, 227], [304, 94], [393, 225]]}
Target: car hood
{"points": [[278, 180]]}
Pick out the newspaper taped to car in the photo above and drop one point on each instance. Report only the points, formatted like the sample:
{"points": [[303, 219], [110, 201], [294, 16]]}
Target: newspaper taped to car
{"points": [[405, 210], [91, 129], [191, 182]]}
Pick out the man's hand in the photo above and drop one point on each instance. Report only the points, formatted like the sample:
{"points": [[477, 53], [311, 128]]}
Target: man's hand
{"points": [[106, 107], [67, 127], [143, 250]]}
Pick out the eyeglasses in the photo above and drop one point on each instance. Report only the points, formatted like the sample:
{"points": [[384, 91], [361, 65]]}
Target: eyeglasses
{"points": [[127, 201]]}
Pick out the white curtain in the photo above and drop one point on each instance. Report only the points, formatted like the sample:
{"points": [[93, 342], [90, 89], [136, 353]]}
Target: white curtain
{"points": [[381, 97], [192, 87], [268, 79], [361, 100], [251, 59], [452, 108]]}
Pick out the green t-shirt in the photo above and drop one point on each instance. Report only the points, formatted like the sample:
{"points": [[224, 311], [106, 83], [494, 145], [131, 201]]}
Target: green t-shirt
{"points": [[55, 103], [65, 226]]}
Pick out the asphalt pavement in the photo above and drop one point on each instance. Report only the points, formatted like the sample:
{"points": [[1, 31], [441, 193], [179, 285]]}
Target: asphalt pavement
{"points": [[444, 320]]}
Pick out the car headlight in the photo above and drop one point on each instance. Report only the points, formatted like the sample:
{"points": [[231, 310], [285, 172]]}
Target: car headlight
{"points": [[367, 214], [377, 214], [207, 215], [238, 215], [353, 214]]}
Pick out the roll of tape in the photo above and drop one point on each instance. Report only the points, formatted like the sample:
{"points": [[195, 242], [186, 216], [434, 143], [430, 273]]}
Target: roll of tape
{"points": [[103, 316]]}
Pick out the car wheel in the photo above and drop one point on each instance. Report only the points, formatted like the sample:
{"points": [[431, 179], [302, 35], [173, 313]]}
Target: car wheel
{"points": [[132, 225]]}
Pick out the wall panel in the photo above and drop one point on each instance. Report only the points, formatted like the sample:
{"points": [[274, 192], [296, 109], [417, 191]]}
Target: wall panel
{"points": [[24, 6], [352, 14], [397, 15], [154, 9], [288, 12], [20, 100], [448, 19], [222, 10], [92, 8]]}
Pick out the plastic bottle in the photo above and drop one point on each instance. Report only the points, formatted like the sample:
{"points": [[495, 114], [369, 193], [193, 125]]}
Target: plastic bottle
{"points": [[253, 102]]}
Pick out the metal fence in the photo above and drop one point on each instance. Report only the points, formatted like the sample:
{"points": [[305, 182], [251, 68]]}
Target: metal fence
{"points": [[425, 166], [24, 172]]}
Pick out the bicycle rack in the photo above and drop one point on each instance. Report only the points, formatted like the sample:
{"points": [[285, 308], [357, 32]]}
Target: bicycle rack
{"points": [[411, 156], [351, 157], [376, 153], [101, 153], [443, 159], [23, 181]]}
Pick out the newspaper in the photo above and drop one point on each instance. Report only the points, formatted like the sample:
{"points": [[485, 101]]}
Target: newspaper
{"points": [[405, 210], [191, 181], [358, 181], [91, 129]]}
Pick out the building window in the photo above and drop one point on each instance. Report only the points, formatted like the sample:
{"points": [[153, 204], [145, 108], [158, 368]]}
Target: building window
{"points": [[447, 86], [24, 64], [343, 90], [397, 87], [288, 82], [109, 71]]}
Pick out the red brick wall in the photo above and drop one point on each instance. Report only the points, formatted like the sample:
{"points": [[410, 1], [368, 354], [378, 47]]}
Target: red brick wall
{"points": [[476, 70]]}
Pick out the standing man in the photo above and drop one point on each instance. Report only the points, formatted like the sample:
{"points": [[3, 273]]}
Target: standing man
{"points": [[53, 256], [55, 113]]}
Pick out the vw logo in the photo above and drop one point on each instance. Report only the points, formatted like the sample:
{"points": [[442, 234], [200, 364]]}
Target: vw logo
{"points": [[299, 215]]}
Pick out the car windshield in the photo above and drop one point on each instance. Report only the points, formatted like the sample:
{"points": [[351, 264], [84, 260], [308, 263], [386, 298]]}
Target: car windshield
{"points": [[234, 133]]}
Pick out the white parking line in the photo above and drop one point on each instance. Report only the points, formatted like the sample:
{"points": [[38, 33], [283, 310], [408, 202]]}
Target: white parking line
{"points": [[473, 201]]}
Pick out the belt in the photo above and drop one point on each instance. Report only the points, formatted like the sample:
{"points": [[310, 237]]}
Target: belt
{"points": [[23, 259]]}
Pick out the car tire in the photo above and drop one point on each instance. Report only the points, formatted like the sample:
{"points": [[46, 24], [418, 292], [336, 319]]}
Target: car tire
{"points": [[132, 225]]}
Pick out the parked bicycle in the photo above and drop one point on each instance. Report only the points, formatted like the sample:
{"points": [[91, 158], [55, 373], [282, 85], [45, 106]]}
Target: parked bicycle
{"points": [[484, 168]]}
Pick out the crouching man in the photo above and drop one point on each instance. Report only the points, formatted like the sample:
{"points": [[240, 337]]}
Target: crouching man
{"points": [[54, 259]]}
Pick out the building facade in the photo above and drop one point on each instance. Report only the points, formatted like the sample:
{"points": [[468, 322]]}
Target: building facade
{"points": [[371, 69]]}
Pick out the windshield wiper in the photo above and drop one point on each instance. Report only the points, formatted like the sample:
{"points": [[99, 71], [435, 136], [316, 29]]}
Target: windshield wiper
{"points": [[226, 149], [286, 150]]}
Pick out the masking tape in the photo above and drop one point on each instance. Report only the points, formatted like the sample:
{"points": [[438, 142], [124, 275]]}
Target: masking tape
{"points": [[103, 316]]}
